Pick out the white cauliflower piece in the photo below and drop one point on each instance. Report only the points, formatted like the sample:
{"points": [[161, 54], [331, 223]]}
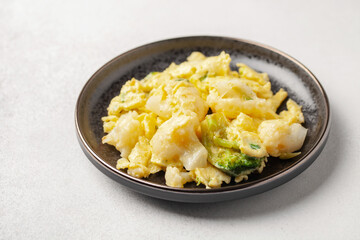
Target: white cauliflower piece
{"points": [[175, 178], [176, 139], [160, 104], [189, 99], [280, 137], [125, 134]]}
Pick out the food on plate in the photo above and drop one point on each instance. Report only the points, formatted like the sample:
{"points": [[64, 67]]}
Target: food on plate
{"points": [[200, 121]]}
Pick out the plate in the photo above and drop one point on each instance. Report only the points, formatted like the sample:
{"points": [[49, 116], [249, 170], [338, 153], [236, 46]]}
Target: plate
{"points": [[284, 72]]}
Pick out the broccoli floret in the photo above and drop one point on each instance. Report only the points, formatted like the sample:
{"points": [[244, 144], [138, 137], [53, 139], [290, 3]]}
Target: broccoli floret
{"points": [[223, 153], [234, 163]]}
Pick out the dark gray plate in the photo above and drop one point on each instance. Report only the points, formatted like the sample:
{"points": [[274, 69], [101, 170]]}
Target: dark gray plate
{"points": [[283, 70]]}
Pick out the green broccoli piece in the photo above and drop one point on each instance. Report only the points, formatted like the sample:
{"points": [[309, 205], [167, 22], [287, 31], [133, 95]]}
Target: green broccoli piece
{"points": [[223, 153]]}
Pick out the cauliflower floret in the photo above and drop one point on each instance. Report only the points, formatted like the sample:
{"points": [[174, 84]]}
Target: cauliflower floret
{"points": [[175, 178], [189, 99], [279, 136], [125, 134], [159, 102], [176, 139]]}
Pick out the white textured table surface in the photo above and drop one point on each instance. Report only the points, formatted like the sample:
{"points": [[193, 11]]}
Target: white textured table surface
{"points": [[49, 190]]}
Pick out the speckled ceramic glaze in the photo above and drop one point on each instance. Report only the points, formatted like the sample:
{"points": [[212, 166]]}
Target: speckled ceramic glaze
{"points": [[284, 72]]}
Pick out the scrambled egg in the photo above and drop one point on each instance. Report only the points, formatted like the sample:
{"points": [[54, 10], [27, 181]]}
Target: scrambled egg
{"points": [[200, 121]]}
